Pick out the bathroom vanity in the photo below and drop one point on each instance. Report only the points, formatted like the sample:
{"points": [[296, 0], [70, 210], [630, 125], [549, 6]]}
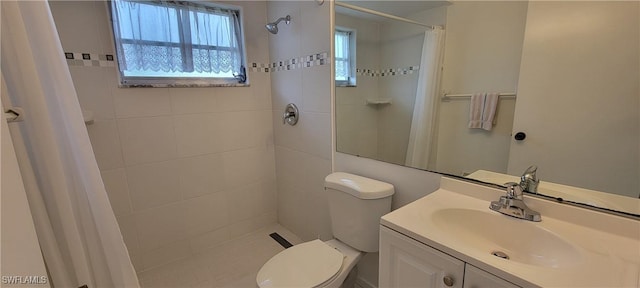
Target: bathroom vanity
{"points": [[410, 263], [450, 238]]}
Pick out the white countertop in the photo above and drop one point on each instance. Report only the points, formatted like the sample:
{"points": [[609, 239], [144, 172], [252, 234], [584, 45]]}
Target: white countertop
{"points": [[608, 246]]}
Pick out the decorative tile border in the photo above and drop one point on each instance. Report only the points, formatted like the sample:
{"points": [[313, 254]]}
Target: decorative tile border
{"points": [[90, 59], [108, 60], [386, 72], [260, 67], [317, 59]]}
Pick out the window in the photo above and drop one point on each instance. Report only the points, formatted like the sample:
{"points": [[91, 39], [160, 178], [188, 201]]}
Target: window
{"points": [[345, 57], [166, 43]]}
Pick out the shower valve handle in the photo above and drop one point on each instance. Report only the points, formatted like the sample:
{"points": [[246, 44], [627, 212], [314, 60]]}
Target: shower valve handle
{"points": [[290, 114]]}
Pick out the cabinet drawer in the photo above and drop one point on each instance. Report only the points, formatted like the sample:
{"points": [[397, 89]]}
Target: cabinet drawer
{"points": [[476, 278]]}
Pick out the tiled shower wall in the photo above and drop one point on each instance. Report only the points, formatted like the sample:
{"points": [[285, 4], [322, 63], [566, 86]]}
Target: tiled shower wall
{"points": [[185, 168], [303, 152], [357, 122]]}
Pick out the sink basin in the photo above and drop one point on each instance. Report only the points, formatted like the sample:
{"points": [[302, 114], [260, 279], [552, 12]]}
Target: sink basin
{"points": [[570, 247], [520, 240]]}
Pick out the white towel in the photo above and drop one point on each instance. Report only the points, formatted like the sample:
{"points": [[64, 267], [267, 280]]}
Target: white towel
{"points": [[489, 110], [476, 107]]}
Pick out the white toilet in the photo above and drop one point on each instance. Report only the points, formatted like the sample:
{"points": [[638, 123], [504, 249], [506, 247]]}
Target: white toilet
{"points": [[356, 204]]}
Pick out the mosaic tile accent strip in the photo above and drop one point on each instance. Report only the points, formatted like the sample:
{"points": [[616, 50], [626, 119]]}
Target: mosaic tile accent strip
{"points": [[387, 72], [317, 59], [90, 59], [108, 60], [260, 67]]}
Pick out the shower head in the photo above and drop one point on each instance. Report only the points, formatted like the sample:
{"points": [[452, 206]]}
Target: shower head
{"points": [[273, 26]]}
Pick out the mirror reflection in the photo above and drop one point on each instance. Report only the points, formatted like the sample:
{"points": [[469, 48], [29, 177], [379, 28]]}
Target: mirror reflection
{"points": [[485, 90]]}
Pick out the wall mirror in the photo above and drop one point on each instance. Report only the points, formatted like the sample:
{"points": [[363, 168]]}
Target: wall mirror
{"points": [[564, 73]]}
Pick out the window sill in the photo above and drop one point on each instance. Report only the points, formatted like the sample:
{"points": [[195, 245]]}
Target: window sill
{"points": [[202, 85]]}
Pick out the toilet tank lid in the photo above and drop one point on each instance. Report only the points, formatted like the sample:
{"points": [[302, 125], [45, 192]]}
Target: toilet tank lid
{"points": [[358, 186]]}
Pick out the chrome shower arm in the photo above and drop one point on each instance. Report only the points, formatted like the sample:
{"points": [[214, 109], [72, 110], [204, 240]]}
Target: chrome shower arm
{"points": [[287, 20]]}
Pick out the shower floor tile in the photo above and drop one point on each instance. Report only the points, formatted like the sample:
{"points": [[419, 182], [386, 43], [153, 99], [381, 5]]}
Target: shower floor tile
{"points": [[234, 263]]}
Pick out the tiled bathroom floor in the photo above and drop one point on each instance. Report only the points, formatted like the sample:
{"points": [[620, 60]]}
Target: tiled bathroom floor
{"points": [[234, 263]]}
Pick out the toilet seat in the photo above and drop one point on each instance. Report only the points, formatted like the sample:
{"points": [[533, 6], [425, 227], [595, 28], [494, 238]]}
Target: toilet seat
{"points": [[309, 264]]}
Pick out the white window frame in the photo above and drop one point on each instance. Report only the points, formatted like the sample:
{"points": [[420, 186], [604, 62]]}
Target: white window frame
{"points": [[174, 81], [351, 79]]}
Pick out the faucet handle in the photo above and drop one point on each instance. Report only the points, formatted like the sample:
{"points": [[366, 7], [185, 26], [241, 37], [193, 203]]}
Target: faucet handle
{"points": [[529, 178], [514, 190], [531, 170]]}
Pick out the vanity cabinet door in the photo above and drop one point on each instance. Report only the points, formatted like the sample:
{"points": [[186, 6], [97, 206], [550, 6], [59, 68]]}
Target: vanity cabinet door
{"points": [[476, 278], [406, 263]]}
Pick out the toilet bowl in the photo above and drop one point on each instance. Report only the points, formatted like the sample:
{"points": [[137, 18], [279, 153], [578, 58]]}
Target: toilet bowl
{"points": [[356, 204], [310, 264]]}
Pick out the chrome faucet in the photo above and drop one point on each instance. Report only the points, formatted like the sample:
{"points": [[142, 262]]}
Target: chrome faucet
{"points": [[529, 181], [513, 205]]}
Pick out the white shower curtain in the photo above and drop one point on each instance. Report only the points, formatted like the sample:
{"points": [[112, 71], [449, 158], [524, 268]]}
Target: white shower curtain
{"points": [[78, 233], [424, 110]]}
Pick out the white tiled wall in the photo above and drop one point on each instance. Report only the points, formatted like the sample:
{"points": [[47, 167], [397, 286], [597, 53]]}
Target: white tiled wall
{"points": [[184, 168], [401, 46], [357, 122], [303, 152]]}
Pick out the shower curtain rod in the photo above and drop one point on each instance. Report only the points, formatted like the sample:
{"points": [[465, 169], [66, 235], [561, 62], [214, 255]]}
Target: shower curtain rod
{"points": [[374, 12], [446, 96]]}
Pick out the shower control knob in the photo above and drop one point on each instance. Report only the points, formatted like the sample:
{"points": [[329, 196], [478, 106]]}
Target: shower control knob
{"points": [[290, 115], [520, 136], [448, 281]]}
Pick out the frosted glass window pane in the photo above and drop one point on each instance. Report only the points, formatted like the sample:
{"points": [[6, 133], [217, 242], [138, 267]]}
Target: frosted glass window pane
{"points": [[343, 56], [177, 40]]}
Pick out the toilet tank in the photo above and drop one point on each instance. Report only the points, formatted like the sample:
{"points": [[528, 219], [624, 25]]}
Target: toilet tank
{"points": [[356, 204]]}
